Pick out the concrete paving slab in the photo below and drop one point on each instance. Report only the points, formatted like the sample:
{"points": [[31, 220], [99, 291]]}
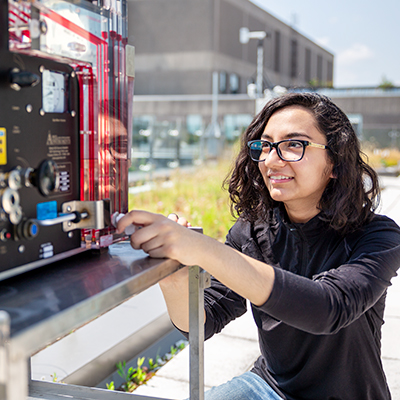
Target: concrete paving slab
{"points": [[390, 198], [393, 299], [226, 355], [164, 388], [391, 338], [392, 370], [244, 329]]}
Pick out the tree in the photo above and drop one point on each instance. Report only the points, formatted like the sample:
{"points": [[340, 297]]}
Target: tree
{"points": [[385, 84]]}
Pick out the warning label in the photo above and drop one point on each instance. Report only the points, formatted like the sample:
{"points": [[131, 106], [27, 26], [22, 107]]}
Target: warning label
{"points": [[58, 152]]}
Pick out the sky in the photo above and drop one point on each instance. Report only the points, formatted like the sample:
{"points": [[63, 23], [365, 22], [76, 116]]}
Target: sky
{"points": [[363, 35]]}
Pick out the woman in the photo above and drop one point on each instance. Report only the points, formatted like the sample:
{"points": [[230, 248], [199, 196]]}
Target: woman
{"points": [[307, 251]]}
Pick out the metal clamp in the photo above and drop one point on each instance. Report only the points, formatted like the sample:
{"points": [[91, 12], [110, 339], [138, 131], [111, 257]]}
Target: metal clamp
{"points": [[94, 211]]}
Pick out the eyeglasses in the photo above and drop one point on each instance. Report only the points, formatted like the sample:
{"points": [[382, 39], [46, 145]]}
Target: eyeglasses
{"points": [[118, 148], [290, 150]]}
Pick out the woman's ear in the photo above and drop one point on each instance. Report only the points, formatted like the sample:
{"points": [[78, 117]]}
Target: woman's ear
{"points": [[333, 175]]}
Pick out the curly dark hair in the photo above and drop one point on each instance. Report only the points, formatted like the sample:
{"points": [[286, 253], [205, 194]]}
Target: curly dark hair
{"points": [[349, 199]]}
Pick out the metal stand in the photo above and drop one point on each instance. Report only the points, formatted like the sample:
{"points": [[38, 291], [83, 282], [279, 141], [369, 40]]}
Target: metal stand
{"points": [[46, 304], [198, 281], [4, 338]]}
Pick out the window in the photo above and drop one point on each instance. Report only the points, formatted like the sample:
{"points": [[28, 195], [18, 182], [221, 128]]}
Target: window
{"points": [[329, 78], [319, 69], [307, 75], [222, 82], [194, 124], [235, 125], [234, 83], [293, 58], [277, 52]]}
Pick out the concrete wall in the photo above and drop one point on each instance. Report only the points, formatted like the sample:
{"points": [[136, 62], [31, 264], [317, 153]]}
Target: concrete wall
{"points": [[179, 43], [380, 113]]}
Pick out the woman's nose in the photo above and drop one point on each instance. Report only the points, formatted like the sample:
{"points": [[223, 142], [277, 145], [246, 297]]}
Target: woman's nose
{"points": [[272, 158]]}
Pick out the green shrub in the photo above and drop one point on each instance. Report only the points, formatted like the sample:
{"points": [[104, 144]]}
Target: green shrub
{"points": [[196, 195]]}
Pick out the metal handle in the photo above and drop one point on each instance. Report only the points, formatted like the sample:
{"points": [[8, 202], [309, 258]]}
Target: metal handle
{"points": [[63, 218]]}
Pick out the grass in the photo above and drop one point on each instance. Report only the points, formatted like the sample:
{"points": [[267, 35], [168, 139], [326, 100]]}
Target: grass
{"points": [[378, 158], [196, 195]]}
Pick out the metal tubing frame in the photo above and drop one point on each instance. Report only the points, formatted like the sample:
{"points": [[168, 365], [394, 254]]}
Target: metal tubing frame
{"points": [[198, 281], [4, 359]]}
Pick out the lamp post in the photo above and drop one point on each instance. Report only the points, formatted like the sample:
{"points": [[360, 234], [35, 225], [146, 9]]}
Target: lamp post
{"points": [[245, 36]]}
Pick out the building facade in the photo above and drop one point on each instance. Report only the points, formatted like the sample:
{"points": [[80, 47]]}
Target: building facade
{"points": [[180, 43]]}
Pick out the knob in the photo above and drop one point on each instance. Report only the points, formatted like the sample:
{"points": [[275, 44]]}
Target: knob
{"points": [[46, 177], [19, 79], [28, 229], [9, 199]]}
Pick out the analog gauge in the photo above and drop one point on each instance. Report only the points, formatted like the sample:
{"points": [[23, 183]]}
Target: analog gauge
{"points": [[53, 92]]}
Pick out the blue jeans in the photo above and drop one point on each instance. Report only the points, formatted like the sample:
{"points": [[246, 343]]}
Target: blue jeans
{"points": [[243, 387]]}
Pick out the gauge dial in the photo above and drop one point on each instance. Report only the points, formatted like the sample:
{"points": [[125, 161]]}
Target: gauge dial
{"points": [[53, 92]]}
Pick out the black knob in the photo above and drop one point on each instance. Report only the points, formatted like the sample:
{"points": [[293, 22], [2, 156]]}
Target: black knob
{"points": [[46, 177], [19, 79], [27, 229]]}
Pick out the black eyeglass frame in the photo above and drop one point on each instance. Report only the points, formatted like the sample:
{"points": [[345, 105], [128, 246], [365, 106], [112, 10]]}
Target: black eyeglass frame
{"points": [[275, 145]]}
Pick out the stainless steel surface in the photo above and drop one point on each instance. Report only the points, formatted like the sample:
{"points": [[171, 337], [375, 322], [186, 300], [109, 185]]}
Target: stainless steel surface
{"points": [[47, 303]]}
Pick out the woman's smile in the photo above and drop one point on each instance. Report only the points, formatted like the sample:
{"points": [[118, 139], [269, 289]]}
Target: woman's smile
{"points": [[276, 179]]}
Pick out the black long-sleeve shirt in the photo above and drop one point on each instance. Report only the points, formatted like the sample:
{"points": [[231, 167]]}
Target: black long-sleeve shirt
{"points": [[320, 329]]}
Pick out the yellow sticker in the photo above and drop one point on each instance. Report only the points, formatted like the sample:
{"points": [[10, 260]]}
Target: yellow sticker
{"points": [[3, 146]]}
